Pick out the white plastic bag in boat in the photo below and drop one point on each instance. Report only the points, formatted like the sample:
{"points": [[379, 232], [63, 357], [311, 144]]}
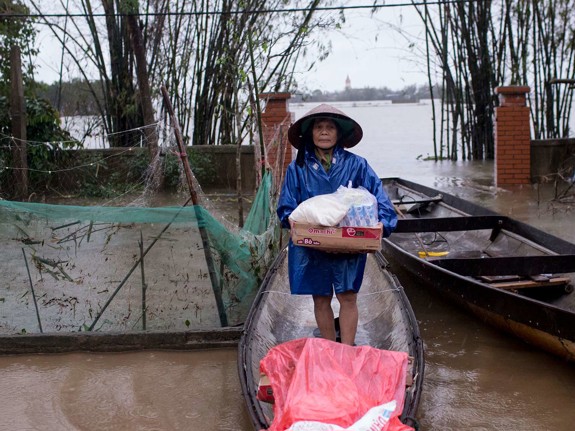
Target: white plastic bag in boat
{"points": [[376, 419]]}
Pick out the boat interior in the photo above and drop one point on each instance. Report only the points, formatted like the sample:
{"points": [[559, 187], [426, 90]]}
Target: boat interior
{"points": [[477, 243], [386, 321]]}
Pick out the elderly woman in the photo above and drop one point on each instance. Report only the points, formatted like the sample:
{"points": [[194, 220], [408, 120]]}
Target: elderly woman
{"points": [[321, 166]]}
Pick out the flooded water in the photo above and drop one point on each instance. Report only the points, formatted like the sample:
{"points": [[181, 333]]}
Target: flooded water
{"points": [[479, 379], [476, 378], [121, 391]]}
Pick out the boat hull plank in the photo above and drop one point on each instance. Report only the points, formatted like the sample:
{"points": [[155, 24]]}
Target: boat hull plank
{"points": [[447, 224], [513, 265]]}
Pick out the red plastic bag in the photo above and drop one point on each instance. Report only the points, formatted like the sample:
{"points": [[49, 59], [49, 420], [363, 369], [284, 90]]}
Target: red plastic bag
{"points": [[318, 380]]}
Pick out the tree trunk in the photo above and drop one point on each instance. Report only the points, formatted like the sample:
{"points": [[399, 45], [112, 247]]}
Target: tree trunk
{"points": [[144, 84], [18, 114]]}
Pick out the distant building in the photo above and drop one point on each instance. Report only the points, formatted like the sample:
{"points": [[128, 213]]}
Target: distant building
{"points": [[347, 83]]}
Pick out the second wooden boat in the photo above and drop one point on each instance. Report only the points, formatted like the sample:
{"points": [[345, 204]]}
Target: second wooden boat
{"points": [[510, 274]]}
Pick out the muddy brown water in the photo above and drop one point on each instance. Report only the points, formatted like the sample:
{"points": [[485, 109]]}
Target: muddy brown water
{"points": [[154, 390], [476, 378]]}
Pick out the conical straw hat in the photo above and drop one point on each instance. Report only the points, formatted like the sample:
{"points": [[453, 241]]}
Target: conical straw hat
{"points": [[351, 130]]}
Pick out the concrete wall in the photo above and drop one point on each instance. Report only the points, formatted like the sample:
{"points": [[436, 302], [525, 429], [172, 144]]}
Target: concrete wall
{"points": [[519, 160], [224, 157], [547, 158], [221, 157], [551, 156]]}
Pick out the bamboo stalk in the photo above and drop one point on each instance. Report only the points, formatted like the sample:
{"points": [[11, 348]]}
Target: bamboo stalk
{"points": [[239, 193], [33, 293], [144, 286], [65, 225], [90, 227], [194, 196], [257, 96], [277, 187]]}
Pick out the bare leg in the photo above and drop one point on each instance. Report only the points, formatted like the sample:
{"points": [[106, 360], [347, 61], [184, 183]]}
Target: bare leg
{"points": [[324, 316], [348, 317]]}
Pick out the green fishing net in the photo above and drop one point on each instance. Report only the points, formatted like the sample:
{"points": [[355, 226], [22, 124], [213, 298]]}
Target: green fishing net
{"points": [[99, 268]]}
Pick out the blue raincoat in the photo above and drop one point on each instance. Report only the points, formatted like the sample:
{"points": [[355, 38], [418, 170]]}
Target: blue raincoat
{"points": [[314, 272]]}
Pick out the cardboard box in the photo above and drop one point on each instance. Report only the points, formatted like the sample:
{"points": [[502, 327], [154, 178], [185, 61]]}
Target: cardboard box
{"points": [[338, 239], [265, 392]]}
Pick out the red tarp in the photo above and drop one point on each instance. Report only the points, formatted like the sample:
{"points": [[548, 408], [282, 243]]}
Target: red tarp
{"points": [[314, 379]]}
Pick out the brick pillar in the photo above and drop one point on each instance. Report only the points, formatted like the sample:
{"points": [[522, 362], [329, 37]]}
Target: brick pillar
{"points": [[276, 120], [512, 136]]}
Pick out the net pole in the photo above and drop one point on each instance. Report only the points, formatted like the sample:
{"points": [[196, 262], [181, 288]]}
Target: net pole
{"points": [[144, 285], [33, 293], [203, 233]]}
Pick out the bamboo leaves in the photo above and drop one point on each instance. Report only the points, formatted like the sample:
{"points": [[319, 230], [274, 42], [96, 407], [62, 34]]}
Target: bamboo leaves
{"points": [[204, 51], [486, 44]]}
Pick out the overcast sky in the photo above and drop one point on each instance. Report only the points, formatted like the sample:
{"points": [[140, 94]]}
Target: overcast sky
{"points": [[372, 50]]}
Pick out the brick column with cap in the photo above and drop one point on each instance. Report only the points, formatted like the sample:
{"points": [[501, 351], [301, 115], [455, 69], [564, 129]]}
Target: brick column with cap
{"points": [[512, 137], [276, 120]]}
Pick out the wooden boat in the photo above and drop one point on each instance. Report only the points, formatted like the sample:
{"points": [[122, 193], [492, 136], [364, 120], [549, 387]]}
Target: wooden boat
{"points": [[386, 321], [510, 274]]}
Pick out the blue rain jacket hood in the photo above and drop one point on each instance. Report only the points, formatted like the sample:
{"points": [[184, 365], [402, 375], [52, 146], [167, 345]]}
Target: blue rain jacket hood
{"points": [[313, 271]]}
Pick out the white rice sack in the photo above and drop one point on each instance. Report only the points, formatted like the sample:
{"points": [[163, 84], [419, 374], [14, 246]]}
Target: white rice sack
{"points": [[322, 210], [376, 418]]}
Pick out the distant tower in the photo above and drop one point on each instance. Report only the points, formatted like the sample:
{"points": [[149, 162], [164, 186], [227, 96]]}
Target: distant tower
{"points": [[347, 83]]}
